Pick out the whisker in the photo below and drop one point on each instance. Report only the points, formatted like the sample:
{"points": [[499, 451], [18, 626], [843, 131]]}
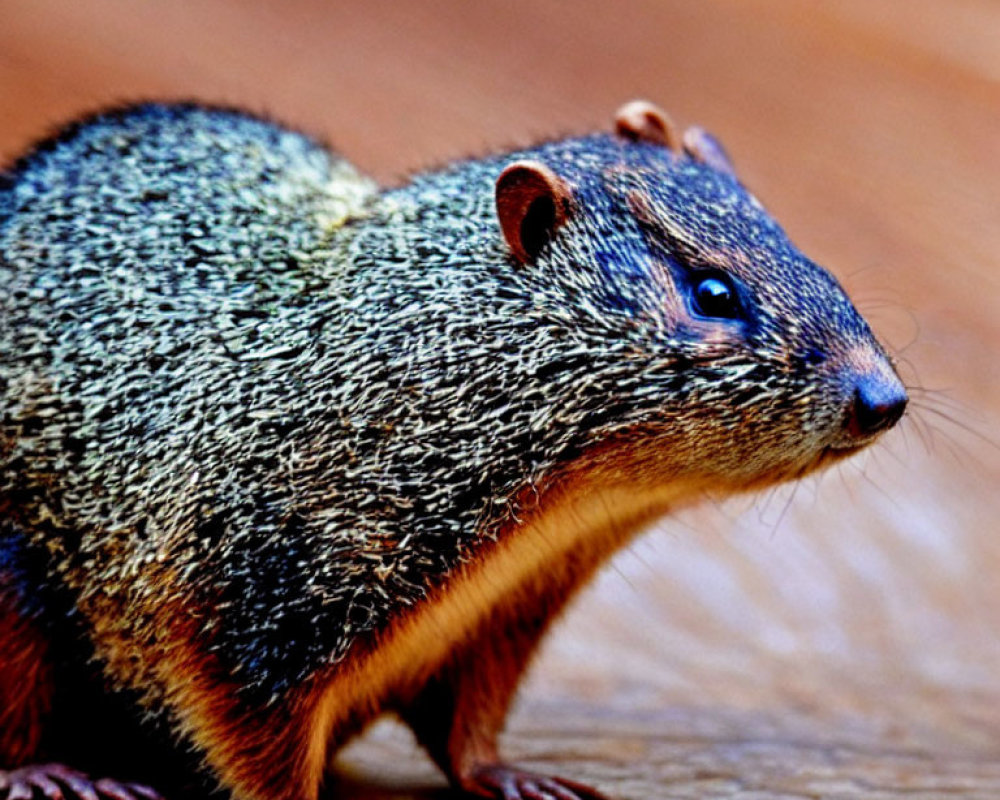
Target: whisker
{"points": [[891, 453], [863, 469], [766, 499], [942, 399], [921, 429], [784, 511], [950, 418], [939, 437], [847, 484]]}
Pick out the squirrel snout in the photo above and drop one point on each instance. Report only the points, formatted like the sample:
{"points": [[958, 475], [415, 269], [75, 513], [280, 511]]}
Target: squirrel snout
{"points": [[878, 402]]}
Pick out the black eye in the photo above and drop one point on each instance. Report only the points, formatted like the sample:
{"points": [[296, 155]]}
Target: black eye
{"points": [[715, 296]]}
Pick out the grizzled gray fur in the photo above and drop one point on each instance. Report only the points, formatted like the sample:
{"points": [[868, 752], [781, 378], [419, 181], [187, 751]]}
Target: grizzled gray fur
{"points": [[222, 349]]}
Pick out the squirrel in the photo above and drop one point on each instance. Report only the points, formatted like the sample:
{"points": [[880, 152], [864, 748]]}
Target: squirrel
{"points": [[282, 451]]}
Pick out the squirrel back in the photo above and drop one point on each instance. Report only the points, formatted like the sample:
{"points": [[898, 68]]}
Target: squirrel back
{"points": [[239, 381]]}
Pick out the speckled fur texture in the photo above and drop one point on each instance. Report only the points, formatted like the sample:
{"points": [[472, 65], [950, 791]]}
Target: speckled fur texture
{"points": [[257, 413]]}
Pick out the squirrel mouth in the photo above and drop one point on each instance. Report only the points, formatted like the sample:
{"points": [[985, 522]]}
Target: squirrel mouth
{"points": [[833, 453]]}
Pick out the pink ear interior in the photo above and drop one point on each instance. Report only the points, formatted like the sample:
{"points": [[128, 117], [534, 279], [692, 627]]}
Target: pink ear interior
{"points": [[643, 121], [532, 203]]}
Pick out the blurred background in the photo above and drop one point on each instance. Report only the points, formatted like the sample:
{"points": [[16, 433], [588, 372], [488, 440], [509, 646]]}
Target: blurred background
{"points": [[834, 639]]}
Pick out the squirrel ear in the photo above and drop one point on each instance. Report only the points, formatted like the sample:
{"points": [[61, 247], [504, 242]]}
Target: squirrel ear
{"points": [[703, 147], [641, 121], [532, 202]]}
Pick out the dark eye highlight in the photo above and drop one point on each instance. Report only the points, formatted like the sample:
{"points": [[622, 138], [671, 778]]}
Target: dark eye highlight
{"points": [[714, 296]]}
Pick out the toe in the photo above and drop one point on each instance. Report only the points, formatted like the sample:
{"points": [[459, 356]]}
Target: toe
{"points": [[59, 782], [141, 792], [19, 790], [81, 787], [46, 785], [558, 791], [580, 791], [508, 783], [113, 790]]}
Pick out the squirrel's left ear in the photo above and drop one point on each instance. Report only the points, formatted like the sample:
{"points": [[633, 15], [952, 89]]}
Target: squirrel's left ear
{"points": [[703, 147], [532, 203]]}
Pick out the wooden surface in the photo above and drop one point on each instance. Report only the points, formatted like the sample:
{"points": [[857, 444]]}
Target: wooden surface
{"points": [[836, 640]]}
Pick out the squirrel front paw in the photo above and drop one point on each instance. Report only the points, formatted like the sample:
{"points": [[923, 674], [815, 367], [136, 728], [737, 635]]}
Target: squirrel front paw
{"points": [[501, 782], [58, 782]]}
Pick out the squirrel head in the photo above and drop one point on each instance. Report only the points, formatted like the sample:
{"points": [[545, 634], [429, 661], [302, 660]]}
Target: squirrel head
{"points": [[706, 326]]}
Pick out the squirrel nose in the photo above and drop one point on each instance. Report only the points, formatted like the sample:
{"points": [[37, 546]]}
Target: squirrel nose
{"points": [[878, 403]]}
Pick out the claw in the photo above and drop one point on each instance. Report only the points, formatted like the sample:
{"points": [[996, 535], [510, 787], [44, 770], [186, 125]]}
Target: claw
{"points": [[500, 782], [48, 786], [78, 784], [140, 792], [558, 790], [125, 791]]}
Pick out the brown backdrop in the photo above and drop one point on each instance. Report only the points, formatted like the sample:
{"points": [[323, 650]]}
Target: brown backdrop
{"points": [[835, 640]]}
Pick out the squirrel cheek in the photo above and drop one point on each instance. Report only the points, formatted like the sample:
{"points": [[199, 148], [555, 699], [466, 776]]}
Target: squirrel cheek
{"points": [[717, 335], [713, 338]]}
